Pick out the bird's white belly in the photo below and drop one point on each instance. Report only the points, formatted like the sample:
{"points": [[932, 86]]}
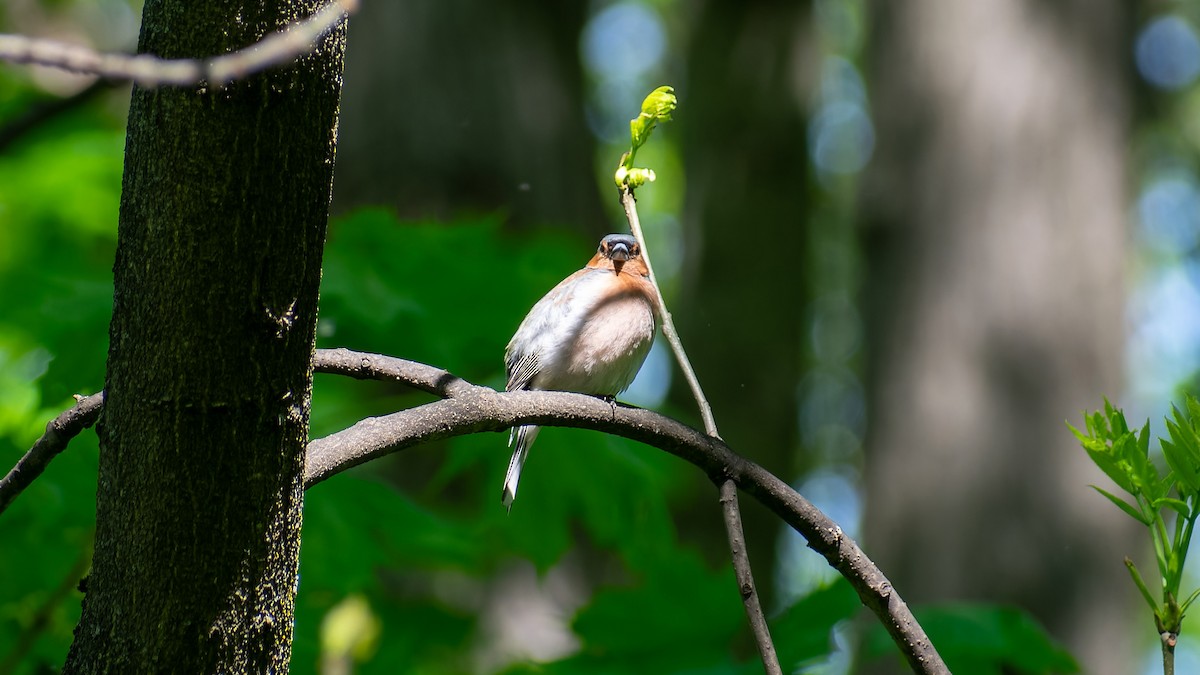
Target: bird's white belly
{"points": [[606, 352]]}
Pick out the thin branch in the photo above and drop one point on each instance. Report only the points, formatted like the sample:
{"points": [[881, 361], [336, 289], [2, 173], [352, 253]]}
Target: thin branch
{"points": [[366, 366], [150, 71], [59, 432], [730, 510], [635, 225], [745, 578], [479, 409], [1169, 639]]}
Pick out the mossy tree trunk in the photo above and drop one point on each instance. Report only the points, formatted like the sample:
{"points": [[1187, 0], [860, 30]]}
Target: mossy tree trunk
{"points": [[223, 218]]}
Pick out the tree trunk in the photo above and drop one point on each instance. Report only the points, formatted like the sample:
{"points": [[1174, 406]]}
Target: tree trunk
{"points": [[223, 217], [468, 106], [741, 307], [995, 244]]}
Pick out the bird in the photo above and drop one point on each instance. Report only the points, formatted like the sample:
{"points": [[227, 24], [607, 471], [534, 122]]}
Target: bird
{"points": [[590, 334]]}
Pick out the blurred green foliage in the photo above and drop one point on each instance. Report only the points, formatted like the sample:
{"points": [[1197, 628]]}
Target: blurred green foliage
{"points": [[398, 534], [418, 542], [983, 640], [59, 193]]}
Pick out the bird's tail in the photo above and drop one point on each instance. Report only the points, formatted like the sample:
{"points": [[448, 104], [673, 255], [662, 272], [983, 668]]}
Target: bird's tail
{"points": [[524, 438]]}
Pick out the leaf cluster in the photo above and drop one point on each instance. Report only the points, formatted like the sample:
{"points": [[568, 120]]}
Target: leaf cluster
{"points": [[657, 107], [1167, 504]]}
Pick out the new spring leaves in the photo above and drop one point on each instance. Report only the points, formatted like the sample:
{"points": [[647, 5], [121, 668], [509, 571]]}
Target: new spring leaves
{"points": [[657, 107], [1124, 456]]}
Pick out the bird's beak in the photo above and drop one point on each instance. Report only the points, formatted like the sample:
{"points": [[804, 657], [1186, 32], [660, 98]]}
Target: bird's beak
{"points": [[619, 253]]}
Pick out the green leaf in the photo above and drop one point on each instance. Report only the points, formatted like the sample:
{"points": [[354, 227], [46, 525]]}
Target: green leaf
{"points": [[1177, 505], [616, 489], [350, 630], [1133, 512], [1182, 452], [1190, 599], [1193, 408], [401, 287], [1116, 418], [1101, 454], [984, 640], [679, 616], [802, 633], [657, 107], [1141, 586], [1142, 472], [353, 527]]}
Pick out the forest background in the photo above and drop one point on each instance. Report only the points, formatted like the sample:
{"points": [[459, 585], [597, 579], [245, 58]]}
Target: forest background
{"points": [[903, 244]]}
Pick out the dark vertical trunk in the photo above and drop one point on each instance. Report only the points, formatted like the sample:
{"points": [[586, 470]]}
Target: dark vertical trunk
{"points": [[995, 241], [741, 310], [223, 216], [468, 105]]}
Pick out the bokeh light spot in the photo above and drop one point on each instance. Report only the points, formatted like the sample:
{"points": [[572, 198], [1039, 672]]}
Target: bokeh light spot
{"points": [[1168, 52], [625, 40]]}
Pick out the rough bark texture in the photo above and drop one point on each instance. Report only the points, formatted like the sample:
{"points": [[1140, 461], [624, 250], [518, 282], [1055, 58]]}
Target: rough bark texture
{"points": [[995, 211], [223, 217], [744, 141]]}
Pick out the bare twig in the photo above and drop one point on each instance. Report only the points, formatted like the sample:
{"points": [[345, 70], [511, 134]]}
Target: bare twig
{"points": [[1169, 640], [59, 432], [150, 71], [635, 225], [745, 578], [365, 366], [730, 509]]}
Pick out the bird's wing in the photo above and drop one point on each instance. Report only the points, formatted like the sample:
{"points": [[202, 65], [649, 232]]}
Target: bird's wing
{"points": [[546, 329], [521, 369]]}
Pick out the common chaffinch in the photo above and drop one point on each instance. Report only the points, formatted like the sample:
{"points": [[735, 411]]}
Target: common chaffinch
{"points": [[589, 334]]}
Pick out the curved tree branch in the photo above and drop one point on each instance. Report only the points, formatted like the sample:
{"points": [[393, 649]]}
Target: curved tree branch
{"points": [[472, 409], [367, 366]]}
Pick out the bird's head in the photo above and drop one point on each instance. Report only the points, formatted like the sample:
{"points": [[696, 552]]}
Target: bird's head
{"points": [[619, 247], [615, 251]]}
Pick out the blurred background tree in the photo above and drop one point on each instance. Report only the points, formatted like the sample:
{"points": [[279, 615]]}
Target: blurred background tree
{"points": [[461, 106], [995, 236], [904, 347]]}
